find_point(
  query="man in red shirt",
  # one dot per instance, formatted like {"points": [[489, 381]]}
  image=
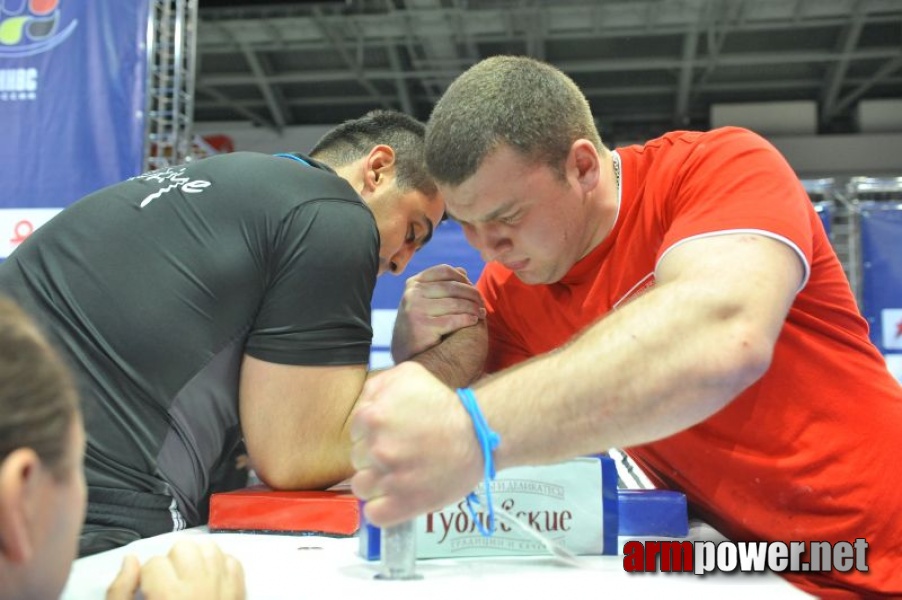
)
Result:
{"points": [[678, 299]]}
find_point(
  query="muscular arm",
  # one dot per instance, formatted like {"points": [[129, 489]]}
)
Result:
{"points": [[295, 421], [458, 360], [658, 365], [316, 308]]}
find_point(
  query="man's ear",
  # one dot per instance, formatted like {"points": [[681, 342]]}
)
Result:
{"points": [[19, 473], [380, 164], [584, 162]]}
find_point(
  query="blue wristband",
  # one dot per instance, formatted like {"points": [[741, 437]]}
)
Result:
{"points": [[488, 442]]}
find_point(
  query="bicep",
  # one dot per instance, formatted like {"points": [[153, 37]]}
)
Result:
{"points": [[756, 274], [294, 419]]}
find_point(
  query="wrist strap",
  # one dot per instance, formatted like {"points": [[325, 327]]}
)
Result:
{"points": [[488, 442]]}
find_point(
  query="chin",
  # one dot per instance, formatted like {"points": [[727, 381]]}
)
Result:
{"points": [[531, 278], [540, 276]]}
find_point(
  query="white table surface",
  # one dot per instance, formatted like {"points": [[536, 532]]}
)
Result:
{"points": [[299, 567]]}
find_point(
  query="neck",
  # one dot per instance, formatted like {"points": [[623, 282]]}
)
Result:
{"points": [[604, 203], [350, 172]]}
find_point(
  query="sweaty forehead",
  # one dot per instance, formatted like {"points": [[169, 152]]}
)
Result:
{"points": [[472, 199], [503, 177], [481, 201], [460, 203], [484, 211]]}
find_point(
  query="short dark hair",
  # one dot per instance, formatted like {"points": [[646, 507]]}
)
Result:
{"points": [[514, 100], [354, 139], [38, 401]]}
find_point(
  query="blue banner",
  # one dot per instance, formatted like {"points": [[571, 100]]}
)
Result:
{"points": [[448, 246], [881, 297], [825, 211], [72, 93]]}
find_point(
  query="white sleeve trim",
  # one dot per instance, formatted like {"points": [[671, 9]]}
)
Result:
{"points": [[760, 232], [629, 293]]}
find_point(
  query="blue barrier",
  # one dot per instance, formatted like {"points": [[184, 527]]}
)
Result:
{"points": [[881, 230]]}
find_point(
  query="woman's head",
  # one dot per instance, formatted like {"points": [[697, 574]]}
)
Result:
{"points": [[42, 489], [37, 399]]}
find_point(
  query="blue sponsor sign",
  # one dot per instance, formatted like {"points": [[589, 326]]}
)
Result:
{"points": [[881, 230], [72, 93], [822, 192], [824, 210]]}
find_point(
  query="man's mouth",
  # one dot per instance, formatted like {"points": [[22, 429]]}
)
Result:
{"points": [[517, 265]]}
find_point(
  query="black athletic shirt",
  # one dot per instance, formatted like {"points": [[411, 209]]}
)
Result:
{"points": [[154, 288]]}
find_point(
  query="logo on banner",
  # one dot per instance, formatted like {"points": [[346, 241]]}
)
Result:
{"points": [[891, 319], [16, 224], [21, 230], [29, 27]]}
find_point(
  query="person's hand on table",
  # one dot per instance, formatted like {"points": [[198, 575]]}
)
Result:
{"points": [[414, 446], [191, 571], [436, 302]]}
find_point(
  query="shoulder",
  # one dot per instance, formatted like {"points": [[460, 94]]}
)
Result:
{"points": [[345, 230], [262, 167], [692, 141], [273, 180], [340, 211], [718, 153]]}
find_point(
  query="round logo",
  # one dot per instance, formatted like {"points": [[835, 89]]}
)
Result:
{"points": [[29, 27]]}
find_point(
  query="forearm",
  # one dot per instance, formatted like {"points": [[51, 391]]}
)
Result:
{"points": [[329, 462], [459, 359], [295, 421], [642, 373], [309, 466], [663, 362]]}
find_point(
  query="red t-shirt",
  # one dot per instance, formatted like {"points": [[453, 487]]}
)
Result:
{"points": [[809, 452]]}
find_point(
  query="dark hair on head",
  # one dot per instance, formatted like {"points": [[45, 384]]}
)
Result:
{"points": [[514, 100], [38, 400], [353, 140]]}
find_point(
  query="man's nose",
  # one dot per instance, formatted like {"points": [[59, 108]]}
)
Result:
{"points": [[400, 260], [489, 239]]}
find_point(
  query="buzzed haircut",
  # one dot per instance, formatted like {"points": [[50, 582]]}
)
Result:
{"points": [[527, 104], [352, 140], [38, 401]]}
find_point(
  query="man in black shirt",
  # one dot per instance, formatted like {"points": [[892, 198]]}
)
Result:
{"points": [[223, 299]]}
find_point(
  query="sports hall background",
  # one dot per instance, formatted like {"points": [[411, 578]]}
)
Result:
{"points": [[96, 91]]}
